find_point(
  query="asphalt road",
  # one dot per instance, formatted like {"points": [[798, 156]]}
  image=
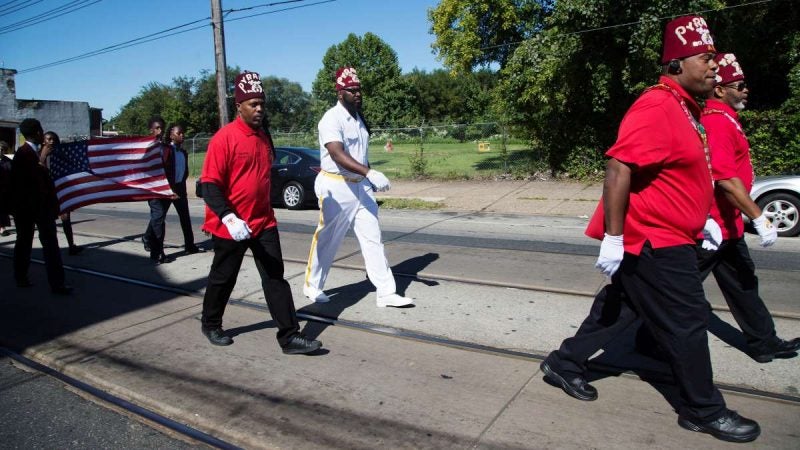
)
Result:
{"points": [[38, 412]]}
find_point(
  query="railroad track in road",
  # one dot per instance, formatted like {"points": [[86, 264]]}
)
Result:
{"points": [[523, 286], [459, 279], [432, 339], [103, 397]]}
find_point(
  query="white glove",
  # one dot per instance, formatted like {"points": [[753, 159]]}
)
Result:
{"points": [[237, 227], [378, 180], [611, 252], [712, 235], [764, 228]]}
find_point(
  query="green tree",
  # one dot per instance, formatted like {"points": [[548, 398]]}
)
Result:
{"points": [[568, 87], [153, 99], [204, 116], [446, 98], [472, 33], [288, 106], [378, 70], [394, 105], [581, 63]]}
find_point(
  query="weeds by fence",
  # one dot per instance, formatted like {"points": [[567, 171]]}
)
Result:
{"points": [[456, 151]]}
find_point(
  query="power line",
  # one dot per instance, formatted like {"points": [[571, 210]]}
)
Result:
{"points": [[16, 8], [63, 10], [7, 3], [628, 24], [161, 35], [281, 10], [263, 5], [140, 40], [41, 15]]}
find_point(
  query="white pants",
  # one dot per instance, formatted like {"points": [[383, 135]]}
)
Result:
{"points": [[343, 204]]}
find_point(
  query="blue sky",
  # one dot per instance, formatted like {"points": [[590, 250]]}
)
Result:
{"points": [[288, 44]]}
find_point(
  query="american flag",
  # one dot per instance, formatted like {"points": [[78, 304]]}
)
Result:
{"points": [[108, 170]]}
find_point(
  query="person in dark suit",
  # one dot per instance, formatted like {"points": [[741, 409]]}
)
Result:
{"points": [[5, 188], [35, 205], [153, 238], [51, 142], [176, 168]]}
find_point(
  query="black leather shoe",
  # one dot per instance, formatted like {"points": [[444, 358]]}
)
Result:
{"points": [[216, 336], [729, 427], [779, 349], [300, 344], [62, 290], [190, 250], [146, 244], [75, 250], [161, 259], [24, 283], [575, 385]]}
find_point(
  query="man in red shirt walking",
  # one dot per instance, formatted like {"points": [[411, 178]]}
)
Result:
{"points": [[658, 191], [235, 182], [733, 172]]}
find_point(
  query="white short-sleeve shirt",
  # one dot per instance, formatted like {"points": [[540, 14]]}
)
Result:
{"points": [[337, 125]]}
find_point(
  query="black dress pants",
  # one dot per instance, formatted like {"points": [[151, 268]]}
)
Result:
{"points": [[49, 240], [734, 271], [154, 235], [663, 288], [182, 208], [228, 256], [156, 229]]}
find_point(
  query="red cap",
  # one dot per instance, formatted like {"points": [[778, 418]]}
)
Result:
{"points": [[686, 36], [246, 86], [346, 77], [729, 68]]}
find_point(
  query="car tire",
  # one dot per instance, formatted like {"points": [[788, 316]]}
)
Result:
{"points": [[293, 195], [783, 210]]}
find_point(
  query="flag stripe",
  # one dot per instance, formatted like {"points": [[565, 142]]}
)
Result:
{"points": [[108, 170]]}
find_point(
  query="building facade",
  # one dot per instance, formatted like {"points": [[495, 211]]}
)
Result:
{"points": [[70, 120]]}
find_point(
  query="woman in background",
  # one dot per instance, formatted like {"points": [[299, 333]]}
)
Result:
{"points": [[51, 141], [5, 188]]}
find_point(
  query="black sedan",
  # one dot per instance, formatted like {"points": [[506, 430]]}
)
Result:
{"points": [[293, 174]]}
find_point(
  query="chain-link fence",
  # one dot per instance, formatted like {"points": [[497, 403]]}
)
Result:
{"points": [[453, 151]]}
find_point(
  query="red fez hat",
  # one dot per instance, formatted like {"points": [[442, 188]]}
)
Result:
{"points": [[247, 86], [346, 77], [729, 68], [686, 36]]}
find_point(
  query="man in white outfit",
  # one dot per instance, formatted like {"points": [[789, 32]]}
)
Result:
{"points": [[345, 188]]}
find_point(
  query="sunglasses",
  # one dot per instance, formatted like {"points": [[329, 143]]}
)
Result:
{"points": [[739, 86]]}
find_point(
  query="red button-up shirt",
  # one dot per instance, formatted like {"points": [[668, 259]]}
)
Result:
{"points": [[238, 161], [730, 157], [671, 190]]}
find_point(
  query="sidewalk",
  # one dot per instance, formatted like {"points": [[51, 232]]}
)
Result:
{"points": [[557, 198]]}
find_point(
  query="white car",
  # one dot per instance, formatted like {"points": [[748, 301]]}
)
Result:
{"points": [[779, 198]]}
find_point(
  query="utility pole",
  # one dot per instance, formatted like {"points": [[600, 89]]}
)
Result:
{"points": [[219, 57]]}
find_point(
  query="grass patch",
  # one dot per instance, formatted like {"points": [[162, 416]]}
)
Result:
{"points": [[444, 161], [408, 203]]}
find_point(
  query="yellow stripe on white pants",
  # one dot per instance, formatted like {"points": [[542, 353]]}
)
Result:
{"points": [[345, 204]]}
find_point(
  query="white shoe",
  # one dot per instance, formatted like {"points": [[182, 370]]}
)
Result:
{"points": [[315, 294], [393, 300]]}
